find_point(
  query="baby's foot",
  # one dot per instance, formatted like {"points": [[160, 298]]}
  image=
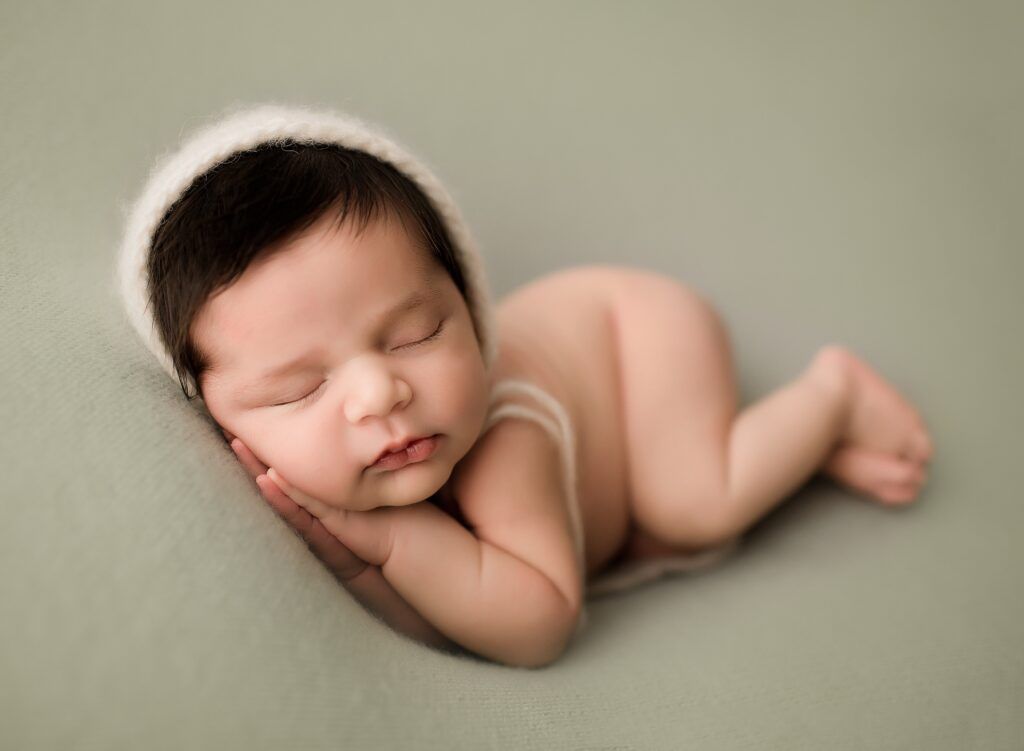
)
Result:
{"points": [[880, 418], [886, 446], [882, 476]]}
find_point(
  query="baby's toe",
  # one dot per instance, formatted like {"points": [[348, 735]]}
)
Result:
{"points": [[904, 484], [898, 494], [884, 476], [922, 447], [917, 448], [896, 470]]}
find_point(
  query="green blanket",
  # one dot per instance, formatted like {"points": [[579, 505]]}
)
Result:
{"points": [[823, 173]]}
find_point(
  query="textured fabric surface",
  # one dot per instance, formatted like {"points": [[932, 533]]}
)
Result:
{"points": [[848, 174]]}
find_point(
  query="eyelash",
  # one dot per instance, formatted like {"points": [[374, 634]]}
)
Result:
{"points": [[309, 397], [437, 333]]}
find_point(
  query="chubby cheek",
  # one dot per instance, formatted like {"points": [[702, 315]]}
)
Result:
{"points": [[304, 451], [465, 394], [310, 454]]}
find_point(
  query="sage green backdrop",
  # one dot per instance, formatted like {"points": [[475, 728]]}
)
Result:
{"points": [[824, 172]]}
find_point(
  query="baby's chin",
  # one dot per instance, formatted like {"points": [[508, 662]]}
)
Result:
{"points": [[377, 503], [393, 491], [413, 494]]}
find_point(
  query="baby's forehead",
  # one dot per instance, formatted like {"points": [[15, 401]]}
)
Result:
{"points": [[235, 315]]}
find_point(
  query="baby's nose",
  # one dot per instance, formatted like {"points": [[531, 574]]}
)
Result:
{"points": [[374, 391]]}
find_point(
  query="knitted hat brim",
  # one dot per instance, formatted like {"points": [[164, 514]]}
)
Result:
{"points": [[243, 128]]}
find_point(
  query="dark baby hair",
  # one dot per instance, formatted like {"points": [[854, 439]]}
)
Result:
{"points": [[249, 206]]}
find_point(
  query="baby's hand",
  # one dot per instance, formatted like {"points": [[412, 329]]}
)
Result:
{"points": [[365, 533], [328, 548]]}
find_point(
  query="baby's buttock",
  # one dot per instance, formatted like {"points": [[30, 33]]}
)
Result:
{"points": [[558, 331]]}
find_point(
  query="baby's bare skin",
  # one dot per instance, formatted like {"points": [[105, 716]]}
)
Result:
{"points": [[666, 461]]}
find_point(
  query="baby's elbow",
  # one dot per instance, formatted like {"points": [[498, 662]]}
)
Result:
{"points": [[548, 643], [543, 658]]}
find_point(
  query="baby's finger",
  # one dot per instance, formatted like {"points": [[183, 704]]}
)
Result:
{"points": [[333, 552], [285, 507], [324, 545], [313, 505], [282, 483], [248, 459]]}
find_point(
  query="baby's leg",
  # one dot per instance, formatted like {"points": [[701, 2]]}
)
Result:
{"points": [[699, 472]]}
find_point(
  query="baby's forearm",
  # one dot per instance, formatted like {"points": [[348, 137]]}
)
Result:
{"points": [[480, 596], [376, 594]]}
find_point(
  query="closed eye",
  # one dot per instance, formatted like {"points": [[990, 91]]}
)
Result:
{"points": [[303, 399], [437, 333], [312, 394]]}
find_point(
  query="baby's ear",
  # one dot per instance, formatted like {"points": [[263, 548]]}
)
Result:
{"points": [[227, 435]]}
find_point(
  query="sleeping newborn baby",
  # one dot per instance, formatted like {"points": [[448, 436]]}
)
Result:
{"points": [[472, 476]]}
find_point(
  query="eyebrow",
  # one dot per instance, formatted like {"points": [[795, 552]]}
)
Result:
{"points": [[406, 304]]}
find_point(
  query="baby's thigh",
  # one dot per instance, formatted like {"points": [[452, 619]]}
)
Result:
{"points": [[679, 401]]}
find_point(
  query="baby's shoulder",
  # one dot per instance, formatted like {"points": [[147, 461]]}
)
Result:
{"points": [[513, 469]]}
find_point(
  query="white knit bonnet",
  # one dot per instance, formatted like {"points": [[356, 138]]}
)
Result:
{"points": [[242, 129]]}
